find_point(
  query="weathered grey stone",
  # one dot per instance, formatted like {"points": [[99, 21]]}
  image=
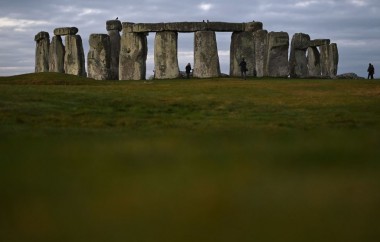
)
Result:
{"points": [[278, 49], [74, 56], [127, 27], [333, 59], [113, 25], [253, 26], [66, 31], [42, 52], [99, 57], [314, 62], [349, 76], [325, 60], [165, 55], [115, 49], [242, 46], [206, 59], [148, 27], [225, 27], [319, 42], [57, 55], [298, 61], [261, 52], [133, 53], [185, 26]]}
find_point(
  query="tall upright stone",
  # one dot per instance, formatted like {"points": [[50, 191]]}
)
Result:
{"points": [[261, 52], [99, 57], [298, 61], [74, 56], [114, 27], [206, 59], [166, 55], [57, 55], [325, 60], [133, 54], [313, 62], [42, 51], [333, 59], [278, 49], [242, 46]]}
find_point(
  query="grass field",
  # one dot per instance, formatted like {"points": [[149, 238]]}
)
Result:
{"points": [[189, 160]]}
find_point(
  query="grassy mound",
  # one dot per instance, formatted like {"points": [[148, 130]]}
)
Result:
{"points": [[47, 78]]}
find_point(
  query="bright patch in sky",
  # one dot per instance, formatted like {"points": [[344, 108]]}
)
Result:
{"points": [[360, 3], [305, 4], [11, 22], [205, 6]]}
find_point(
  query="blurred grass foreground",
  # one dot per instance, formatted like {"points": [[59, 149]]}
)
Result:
{"points": [[189, 160]]}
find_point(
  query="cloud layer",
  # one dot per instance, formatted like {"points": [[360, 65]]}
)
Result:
{"points": [[352, 24]]}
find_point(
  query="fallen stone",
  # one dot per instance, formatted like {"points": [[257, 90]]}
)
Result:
{"points": [[242, 47], [57, 55], [133, 54], [165, 55], [99, 57], [74, 56], [350, 75], [66, 31], [206, 59], [278, 49]]}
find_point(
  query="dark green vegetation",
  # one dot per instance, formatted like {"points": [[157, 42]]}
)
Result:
{"points": [[189, 160]]}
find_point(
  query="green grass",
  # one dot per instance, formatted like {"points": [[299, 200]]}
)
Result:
{"points": [[189, 160]]}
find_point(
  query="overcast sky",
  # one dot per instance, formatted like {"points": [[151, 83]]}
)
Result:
{"points": [[353, 24]]}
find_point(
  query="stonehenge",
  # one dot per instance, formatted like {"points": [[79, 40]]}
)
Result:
{"points": [[122, 56]]}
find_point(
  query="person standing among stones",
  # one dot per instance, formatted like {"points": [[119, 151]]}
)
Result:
{"points": [[371, 71], [243, 69], [188, 70]]}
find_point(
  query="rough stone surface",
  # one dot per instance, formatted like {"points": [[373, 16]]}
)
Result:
{"points": [[115, 53], [319, 42], [333, 59], [325, 59], [127, 27], [298, 61], [253, 26], [74, 56], [66, 31], [113, 25], [133, 54], [99, 57], [165, 55], [42, 52], [183, 27], [206, 59], [278, 49], [349, 76], [57, 55], [314, 62], [261, 52], [242, 46]]}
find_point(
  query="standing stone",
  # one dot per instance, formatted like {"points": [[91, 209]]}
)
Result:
{"points": [[99, 57], [42, 51], [133, 53], [242, 46], [325, 60], [333, 60], [74, 56], [313, 62], [57, 55], [114, 27], [166, 55], [261, 52], [206, 59], [278, 49], [298, 61]]}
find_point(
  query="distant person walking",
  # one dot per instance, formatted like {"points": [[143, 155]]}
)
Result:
{"points": [[371, 71], [243, 68], [188, 70]]}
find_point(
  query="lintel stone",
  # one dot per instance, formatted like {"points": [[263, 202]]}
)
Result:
{"points": [[113, 25], [66, 31], [319, 42], [41, 35], [253, 26]]}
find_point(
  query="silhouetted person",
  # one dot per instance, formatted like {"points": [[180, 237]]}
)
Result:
{"points": [[188, 70], [371, 71], [243, 69]]}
